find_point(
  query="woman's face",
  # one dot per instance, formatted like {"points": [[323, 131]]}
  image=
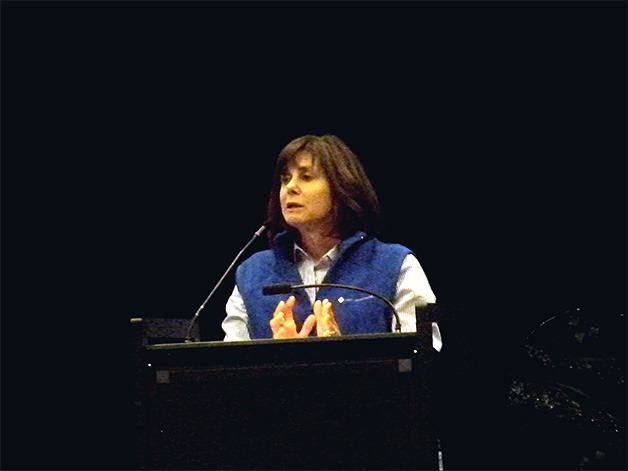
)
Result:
{"points": [[305, 195]]}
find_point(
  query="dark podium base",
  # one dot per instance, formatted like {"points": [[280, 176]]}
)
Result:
{"points": [[359, 402]]}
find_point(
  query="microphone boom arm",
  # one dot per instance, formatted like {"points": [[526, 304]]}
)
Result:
{"points": [[354, 288], [258, 233]]}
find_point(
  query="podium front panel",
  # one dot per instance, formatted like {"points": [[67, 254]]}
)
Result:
{"points": [[346, 402]]}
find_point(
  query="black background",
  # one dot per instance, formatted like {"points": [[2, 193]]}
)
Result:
{"points": [[139, 141]]}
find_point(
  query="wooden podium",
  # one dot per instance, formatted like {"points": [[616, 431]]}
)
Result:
{"points": [[360, 401]]}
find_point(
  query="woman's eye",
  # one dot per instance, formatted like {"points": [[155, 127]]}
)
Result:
{"points": [[307, 177], [284, 179]]}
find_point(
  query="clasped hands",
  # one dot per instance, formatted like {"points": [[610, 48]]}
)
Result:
{"points": [[283, 326]]}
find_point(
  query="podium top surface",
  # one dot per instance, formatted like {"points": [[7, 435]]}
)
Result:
{"points": [[348, 347]]}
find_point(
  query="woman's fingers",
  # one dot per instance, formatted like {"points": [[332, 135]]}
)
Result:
{"points": [[318, 309], [318, 315], [278, 318], [282, 323], [325, 322], [329, 320], [328, 310], [278, 309], [286, 330], [308, 325], [287, 308]]}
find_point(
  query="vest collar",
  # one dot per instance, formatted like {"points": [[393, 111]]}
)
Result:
{"points": [[283, 244]]}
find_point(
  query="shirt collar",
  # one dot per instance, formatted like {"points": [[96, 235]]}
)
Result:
{"points": [[299, 254]]}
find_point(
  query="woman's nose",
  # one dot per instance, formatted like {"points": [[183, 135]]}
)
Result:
{"points": [[291, 186]]}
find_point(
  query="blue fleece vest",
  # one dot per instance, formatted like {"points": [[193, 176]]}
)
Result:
{"points": [[362, 261]]}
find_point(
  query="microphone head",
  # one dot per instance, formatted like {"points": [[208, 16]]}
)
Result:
{"points": [[262, 229], [280, 288]]}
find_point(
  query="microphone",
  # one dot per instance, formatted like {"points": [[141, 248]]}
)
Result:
{"points": [[258, 233], [280, 288], [284, 288]]}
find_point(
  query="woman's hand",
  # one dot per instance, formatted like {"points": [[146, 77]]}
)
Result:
{"points": [[326, 325], [282, 324]]}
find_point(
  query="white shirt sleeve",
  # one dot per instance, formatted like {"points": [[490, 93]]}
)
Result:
{"points": [[414, 289], [236, 323]]}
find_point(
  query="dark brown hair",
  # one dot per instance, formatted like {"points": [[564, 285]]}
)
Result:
{"points": [[356, 206]]}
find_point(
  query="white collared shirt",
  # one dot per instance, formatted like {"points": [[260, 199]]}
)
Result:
{"points": [[413, 289]]}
